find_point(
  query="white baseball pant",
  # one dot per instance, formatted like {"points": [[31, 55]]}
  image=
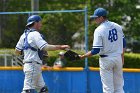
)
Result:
{"points": [[33, 76], [111, 74]]}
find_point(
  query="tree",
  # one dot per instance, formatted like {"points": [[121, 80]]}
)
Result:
{"points": [[123, 12], [12, 25], [61, 26]]}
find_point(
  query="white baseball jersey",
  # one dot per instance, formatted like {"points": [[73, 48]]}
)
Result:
{"points": [[35, 40], [108, 36]]}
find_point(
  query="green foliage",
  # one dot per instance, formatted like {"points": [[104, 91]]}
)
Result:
{"points": [[62, 5], [6, 51], [15, 5], [123, 12], [12, 26], [132, 60], [60, 27], [54, 54]]}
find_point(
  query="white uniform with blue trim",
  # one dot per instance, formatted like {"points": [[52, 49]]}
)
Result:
{"points": [[108, 36], [33, 75]]}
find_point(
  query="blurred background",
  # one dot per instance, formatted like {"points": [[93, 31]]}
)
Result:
{"points": [[57, 27], [67, 28]]}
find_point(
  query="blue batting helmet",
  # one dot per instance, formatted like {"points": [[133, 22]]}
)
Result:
{"points": [[32, 19]]}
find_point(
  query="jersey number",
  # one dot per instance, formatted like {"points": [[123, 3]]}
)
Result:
{"points": [[112, 35]]}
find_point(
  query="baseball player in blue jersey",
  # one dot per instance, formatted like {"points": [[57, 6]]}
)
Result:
{"points": [[32, 44], [109, 43]]}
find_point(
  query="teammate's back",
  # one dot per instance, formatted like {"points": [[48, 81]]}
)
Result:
{"points": [[112, 38]]}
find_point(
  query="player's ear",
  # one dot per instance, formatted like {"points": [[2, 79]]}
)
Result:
{"points": [[101, 18]]}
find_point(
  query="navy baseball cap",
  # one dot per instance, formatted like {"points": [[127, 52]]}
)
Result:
{"points": [[32, 19], [99, 12]]}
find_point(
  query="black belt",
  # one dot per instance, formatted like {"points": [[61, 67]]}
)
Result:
{"points": [[103, 55], [32, 62]]}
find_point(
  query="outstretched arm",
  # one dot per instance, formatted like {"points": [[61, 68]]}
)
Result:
{"points": [[49, 47], [94, 51]]}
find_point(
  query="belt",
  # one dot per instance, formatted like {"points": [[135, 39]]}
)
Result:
{"points": [[32, 62], [103, 55]]}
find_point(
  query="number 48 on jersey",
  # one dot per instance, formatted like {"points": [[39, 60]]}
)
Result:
{"points": [[112, 35]]}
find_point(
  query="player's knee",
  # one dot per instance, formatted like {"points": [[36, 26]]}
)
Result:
{"points": [[29, 91], [44, 90]]}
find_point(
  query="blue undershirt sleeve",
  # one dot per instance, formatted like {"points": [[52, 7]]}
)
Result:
{"points": [[124, 43], [95, 51]]}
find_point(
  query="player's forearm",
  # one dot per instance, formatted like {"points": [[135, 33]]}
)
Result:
{"points": [[49, 47], [88, 54], [94, 51], [123, 56]]}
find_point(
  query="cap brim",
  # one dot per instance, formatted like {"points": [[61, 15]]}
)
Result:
{"points": [[92, 17], [29, 23]]}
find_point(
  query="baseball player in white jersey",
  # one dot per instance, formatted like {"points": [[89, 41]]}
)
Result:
{"points": [[32, 44], [109, 43]]}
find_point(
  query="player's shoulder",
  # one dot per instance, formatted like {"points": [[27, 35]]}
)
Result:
{"points": [[116, 25], [103, 25], [98, 31], [100, 28], [22, 36], [34, 33]]}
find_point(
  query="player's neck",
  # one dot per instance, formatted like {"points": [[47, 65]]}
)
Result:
{"points": [[104, 20], [34, 28]]}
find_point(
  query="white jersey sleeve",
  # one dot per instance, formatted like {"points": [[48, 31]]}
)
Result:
{"points": [[39, 41], [19, 45], [97, 42]]}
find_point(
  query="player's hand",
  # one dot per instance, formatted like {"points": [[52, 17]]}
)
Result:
{"points": [[82, 56], [64, 47]]}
